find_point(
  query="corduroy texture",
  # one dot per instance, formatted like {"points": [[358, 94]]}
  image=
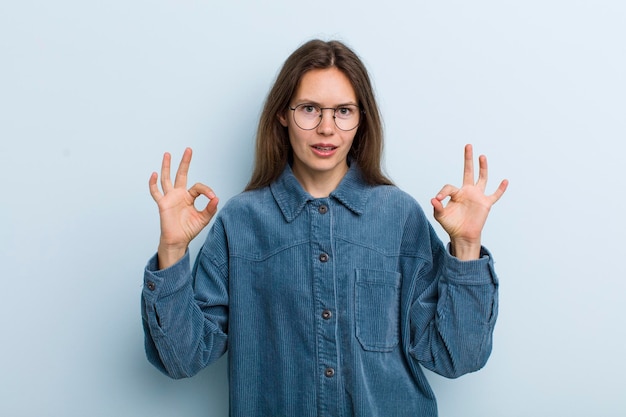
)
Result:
{"points": [[327, 307]]}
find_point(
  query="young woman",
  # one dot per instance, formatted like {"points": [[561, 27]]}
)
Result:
{"points": [[326, 283]]}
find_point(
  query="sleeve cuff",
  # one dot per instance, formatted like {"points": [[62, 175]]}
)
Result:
{"points": [[161, 283], [476, 272]]}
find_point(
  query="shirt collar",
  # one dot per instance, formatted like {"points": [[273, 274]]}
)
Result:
{"points": [[352, 192]]}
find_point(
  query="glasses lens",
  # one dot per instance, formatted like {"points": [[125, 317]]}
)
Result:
{"points": [[347, 117], [307, 116]]}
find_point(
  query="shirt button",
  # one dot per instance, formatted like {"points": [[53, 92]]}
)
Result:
{"points": [[323, 257], [327, 314], [323, 209], [329, 372], [151, 285]]}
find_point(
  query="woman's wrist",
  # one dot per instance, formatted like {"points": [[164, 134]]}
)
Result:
{"points": [[168, 256], [465, 250]]}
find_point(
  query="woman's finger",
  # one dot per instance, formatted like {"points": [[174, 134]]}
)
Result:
{"points": [[154, 188], [483, 172], [468, 166], [199, 189], [183, 169], [498, 193], [166, 182], [211, 208], [447, 191]]}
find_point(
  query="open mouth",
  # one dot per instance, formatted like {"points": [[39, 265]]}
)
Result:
{"points": [[325, 148]]}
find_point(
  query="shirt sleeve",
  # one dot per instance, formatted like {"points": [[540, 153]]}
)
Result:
{"points": [[453, 311], [185, 331]]}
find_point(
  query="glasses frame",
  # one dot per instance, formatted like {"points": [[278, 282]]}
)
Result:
{"points": [[334, 109]]}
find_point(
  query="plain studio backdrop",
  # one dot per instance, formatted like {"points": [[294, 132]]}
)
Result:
{"points": [[93, 93]]}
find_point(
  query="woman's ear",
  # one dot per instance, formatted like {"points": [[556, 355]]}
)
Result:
{"points": [[282, 118]]}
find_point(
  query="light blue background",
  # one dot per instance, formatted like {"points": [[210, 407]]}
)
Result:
{"points": [[92, 93]]}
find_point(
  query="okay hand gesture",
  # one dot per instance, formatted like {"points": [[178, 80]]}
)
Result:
{"points": [[465, 214], [180, 220]]}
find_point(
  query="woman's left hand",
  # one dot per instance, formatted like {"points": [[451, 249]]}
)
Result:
{"points": [[465, 214]]}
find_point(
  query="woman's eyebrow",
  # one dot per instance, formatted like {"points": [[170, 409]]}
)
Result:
{"points": [[307, 101]]}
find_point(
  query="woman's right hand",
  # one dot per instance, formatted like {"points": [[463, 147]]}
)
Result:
{"points": [[180, 220]]}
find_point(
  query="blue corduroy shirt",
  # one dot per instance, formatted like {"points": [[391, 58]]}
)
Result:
{"points": [[326, 306]]}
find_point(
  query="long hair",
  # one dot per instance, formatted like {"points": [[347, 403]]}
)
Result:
{"points": [[273, 148]]}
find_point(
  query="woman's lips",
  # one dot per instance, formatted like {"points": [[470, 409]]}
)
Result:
{"points": [[323, 149]]}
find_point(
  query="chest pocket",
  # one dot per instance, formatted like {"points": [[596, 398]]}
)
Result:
{"points": [[377, 309]]}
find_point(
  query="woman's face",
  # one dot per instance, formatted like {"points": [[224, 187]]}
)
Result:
{"points": [[320, 154]]}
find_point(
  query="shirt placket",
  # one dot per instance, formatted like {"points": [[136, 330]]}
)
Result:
{"points": [[325, 308]]}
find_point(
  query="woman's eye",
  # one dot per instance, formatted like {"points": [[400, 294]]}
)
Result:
{"points": [[308, 109], [344, 111]]}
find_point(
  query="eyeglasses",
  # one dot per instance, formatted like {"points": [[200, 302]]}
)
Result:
{"points": [[309, 116]]}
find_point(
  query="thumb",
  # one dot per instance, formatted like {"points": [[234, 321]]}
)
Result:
{"points": [[211, 208], [437, 207]]}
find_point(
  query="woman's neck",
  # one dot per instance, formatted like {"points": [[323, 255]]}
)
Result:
{"points": [[319, 183]]}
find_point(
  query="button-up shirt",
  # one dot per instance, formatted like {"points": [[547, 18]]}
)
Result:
{"points": [[326, 306]]}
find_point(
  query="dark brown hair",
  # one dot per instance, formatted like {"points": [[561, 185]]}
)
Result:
{"points": [[273, 149]]}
